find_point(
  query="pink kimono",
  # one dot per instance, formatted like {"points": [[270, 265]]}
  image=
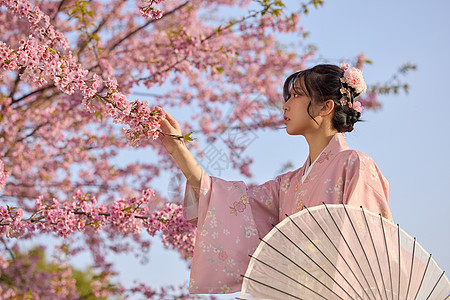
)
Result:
{"points": [[231, 217]]}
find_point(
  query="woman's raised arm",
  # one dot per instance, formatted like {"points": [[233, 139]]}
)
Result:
{"points": [[180, 152]]}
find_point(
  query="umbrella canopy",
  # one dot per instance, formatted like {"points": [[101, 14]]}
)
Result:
{"points": [[341, 252]]}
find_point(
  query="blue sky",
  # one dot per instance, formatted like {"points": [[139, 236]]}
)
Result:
{"points": [[408, 138]]}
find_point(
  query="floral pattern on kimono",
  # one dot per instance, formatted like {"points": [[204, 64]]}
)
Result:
{"points": [[231, 217]]}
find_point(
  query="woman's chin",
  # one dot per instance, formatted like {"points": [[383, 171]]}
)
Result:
{"points": [[292, 132]]}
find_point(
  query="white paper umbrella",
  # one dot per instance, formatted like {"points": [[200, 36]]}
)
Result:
{"points": [[341, 252]]}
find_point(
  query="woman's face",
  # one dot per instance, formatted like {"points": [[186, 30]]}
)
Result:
{"points": [[296, 117]]}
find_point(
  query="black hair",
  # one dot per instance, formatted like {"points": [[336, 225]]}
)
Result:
{"points": [[321, 83]]}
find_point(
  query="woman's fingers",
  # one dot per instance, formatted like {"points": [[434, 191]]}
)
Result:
{"points": [[170, 125], [164, 124], [172, 121]]}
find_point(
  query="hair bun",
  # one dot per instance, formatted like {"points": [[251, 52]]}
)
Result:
{"points": [[352, 117], [344, 118]]}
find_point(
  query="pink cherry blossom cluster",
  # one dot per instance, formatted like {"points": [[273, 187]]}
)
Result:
{"points": [[3, 175], [148, 9], [357, 106], [27, 281], [370, 101], [27, 277], [43, 63], [353, 77], [38, 22], [127, 216], [176, 231], [361, 60]]}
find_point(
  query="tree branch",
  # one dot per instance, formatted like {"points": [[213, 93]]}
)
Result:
{"points": [[99, 27], [216, 32], [16, 82], [146, 24], [13, 101], [59, 9]]}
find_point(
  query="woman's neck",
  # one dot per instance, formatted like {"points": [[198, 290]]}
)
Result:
{"points": [[318, 142]]}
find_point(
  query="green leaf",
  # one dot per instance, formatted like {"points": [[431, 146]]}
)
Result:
{"points": [[99, 115], [95, 37], [187, 137]]}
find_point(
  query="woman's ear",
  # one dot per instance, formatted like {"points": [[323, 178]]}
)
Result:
{"points": [[327, 108]]}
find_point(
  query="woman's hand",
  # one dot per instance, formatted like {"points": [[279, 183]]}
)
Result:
{"points": [[169, 126], [175, 146]]}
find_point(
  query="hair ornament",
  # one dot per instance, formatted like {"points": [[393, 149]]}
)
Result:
{"points": [[352, 80], [357, 106]]}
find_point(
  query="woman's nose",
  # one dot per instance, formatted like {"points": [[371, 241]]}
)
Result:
{"points": [[285, 106]]}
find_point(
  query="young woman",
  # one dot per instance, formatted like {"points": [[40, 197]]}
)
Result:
{"points": [[231, 217]]}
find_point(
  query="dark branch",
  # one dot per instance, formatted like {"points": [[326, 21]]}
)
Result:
{"points": [[99, 27], [59, 9], [32, 93], [146, 24], [16, 83]]}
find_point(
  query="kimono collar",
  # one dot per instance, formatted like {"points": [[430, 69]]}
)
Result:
{"points": [[336, 145]]}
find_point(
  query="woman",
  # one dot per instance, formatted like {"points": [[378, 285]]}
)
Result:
{"points": [[231, 217]]}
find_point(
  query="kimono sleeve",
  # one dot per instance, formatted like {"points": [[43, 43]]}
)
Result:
{"points": [[230, 218], [365, 185]]}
